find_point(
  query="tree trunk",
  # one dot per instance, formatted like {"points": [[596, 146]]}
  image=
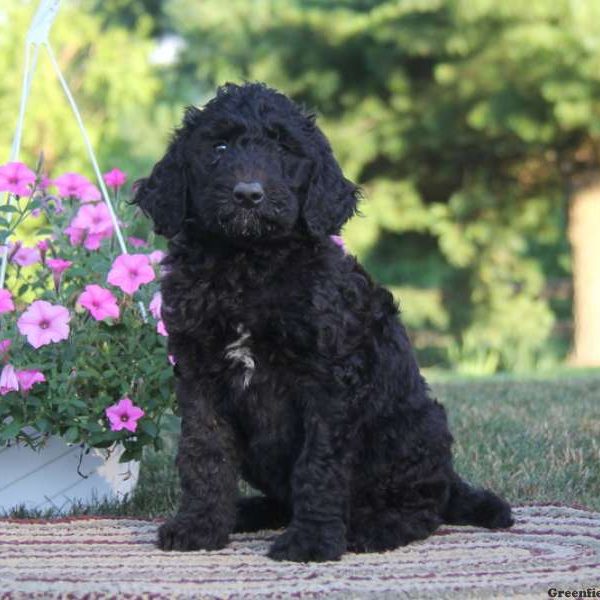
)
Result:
{"points": [[584, 235]]}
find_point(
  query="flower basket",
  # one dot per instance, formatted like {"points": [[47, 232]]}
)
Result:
{"points": [[82, 345], [58, 476]]}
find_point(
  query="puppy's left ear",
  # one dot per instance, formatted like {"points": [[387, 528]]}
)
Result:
{"points": [[331, 199]]}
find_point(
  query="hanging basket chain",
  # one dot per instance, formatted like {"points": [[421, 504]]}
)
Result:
{"points": [[28, 71]]}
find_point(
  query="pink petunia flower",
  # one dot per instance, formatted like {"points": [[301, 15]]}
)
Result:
{"points": [[43, 323], [99, 301], [115, 178], [94, 218], [90, 241], [124, 415], [72, 184], [28, 378], [93, 241], [58, 265], [130, 271], [15, 177], [137, 242], [4, 346], [89, 193], [155, 305], [8, 380], [161, 329], [43, 246], [24, 256], [338, 241], [156, 256], [90, 226], [76, 235], [171, 358], [6, 301]]}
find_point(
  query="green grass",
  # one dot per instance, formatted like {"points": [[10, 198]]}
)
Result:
{"points": [[530, 440]]}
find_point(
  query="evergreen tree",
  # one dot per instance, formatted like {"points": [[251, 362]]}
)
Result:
{"points": [[464, 121]]}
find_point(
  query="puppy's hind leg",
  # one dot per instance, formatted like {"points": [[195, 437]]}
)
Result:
{"points": [[260, 512], [378, 531]]}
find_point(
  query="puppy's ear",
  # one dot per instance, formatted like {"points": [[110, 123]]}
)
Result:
{"points": [[162, 195], [331, 199]]}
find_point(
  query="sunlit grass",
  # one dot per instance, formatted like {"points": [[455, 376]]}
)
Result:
{"points": [[532, 441]]}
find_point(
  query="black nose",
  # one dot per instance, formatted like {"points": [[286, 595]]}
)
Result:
{"points": [[248, 194]]}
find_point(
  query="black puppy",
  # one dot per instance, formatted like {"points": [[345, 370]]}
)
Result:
{"points": [[293, 370]]}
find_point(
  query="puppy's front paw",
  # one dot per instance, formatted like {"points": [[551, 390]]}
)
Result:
{"points": [[305, 544], [184, 534]]}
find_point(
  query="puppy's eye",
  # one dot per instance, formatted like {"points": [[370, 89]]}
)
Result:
{"points": [[220, 147]]}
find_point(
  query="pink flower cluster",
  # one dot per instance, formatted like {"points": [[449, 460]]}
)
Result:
{"points": [[18, 179], [42, 322], [90, 226]]}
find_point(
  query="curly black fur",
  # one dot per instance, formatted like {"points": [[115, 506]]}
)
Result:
{"points": [[293, 369]]}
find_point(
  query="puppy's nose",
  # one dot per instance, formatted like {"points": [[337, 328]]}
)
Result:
{"points": [[248, 194]]}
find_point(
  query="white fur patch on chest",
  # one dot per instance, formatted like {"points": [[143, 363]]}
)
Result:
{"points": [[239, 352]]}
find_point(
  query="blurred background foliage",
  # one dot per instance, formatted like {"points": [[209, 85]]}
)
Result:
{"points": [[470, 125]]}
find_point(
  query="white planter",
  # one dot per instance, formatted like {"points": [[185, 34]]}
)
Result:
{"points": [[49, 477]]}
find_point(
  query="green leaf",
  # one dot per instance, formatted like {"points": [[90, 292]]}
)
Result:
{"points": [[8, 208], [78, 403], [71, 435], [11, 430], [43, 425], [104, 439], [149, 427], [131, 454]]}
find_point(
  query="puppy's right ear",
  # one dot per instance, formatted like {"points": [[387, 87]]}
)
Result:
{"points": [[163, 195]]}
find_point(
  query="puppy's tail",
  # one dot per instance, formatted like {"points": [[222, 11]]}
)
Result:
{"points": [[475, 506]]}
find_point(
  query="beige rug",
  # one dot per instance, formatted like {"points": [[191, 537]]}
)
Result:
{"points": [[549, 547]]}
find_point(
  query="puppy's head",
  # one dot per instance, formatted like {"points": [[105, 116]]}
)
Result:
{"points": [[250, 164]]}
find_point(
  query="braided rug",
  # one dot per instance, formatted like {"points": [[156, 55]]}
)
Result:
{"points": [[88, 558]]}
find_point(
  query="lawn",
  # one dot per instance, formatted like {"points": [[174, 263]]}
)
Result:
{"points": [[535, 440]]}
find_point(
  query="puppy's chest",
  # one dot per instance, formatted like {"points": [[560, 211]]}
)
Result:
{"points": [[240, 357], [242, 331]]}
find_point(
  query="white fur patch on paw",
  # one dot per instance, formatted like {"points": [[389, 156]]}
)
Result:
{"points": [[239, 352]]}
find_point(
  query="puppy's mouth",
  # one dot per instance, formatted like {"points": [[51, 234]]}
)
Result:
{"points": [[245, 222]]}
